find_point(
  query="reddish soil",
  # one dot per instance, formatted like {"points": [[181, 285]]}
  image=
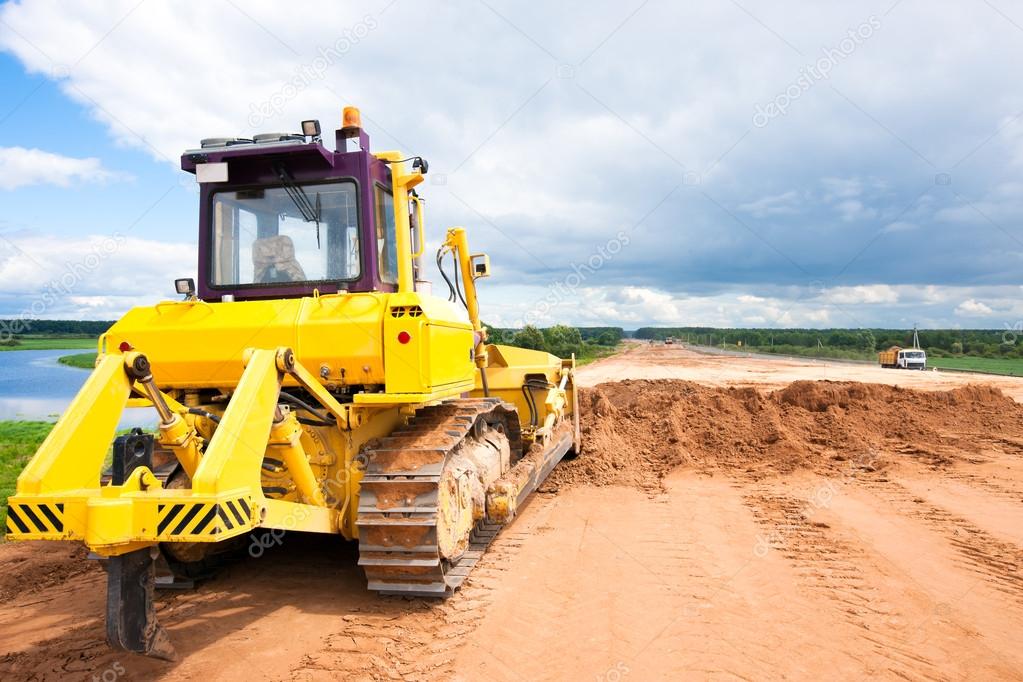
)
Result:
{"points": [[637, 432]]}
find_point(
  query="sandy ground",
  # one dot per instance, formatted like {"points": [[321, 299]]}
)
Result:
{"points": [[643, 361], [913, 571]]}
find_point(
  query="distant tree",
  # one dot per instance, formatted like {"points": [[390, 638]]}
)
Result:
{"points": [[495, 335], [957, 347], [529, 337], [562, 340]]}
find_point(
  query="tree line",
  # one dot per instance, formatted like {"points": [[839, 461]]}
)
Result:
{"points": [[56, 327], [560, 340], [938, 342]]}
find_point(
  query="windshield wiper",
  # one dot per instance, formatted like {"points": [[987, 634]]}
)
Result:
{"points": [[310, 213]]}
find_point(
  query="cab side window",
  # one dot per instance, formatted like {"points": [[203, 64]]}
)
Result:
{"points": [[386, 245]]}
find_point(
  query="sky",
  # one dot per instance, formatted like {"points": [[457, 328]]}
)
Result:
{"points": [[735, 163]]}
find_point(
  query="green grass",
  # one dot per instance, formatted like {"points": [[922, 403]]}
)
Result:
{"points": [[824, 353], [82, 360], [1007, 366], [52, 343], [18, 442], [592, 352]]}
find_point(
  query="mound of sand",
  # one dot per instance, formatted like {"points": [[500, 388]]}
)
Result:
{"points": [[635, 432]]}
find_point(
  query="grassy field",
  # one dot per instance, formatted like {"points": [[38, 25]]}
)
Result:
{"points": [[52, 343], [594, 352], [82, 360], [824, 353], [1008, 366], [18, 442]]}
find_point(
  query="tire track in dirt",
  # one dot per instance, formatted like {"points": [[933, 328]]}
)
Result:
{"points": [[614, 580], [960, 453], [421, 640], [999, 563], [833, 570]]}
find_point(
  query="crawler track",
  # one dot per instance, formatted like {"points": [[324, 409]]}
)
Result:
{"points": [[398, 504]]}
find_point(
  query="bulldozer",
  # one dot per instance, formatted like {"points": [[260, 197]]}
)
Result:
{"points": [[307, 380]]}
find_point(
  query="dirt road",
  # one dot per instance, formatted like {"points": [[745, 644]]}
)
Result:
{"points": [[643, 361], [733, 526]]}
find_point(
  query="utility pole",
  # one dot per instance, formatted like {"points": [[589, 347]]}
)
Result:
{"points": [[916, 337]]}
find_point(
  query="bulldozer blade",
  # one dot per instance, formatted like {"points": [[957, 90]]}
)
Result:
{"points": [[131, 615]]}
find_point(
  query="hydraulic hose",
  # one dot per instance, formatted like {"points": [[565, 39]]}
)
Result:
{"points": [[325, 418], [203, 413]]}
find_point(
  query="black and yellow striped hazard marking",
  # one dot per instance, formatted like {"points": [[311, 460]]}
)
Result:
{"points": [[35, 518], [201, 518]]}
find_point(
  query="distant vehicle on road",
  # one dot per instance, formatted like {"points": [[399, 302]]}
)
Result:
{"points": [[903, 358]]}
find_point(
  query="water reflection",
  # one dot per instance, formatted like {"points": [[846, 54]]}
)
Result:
{"points": [[33, 385]]}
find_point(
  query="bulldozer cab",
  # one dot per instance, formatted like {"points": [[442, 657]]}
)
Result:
{"points": [[282, 216]]}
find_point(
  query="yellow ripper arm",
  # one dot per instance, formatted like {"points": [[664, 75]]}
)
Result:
{"points": [[59, 497]]}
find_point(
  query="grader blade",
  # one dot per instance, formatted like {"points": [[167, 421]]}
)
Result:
{"points": [[131, 615]]}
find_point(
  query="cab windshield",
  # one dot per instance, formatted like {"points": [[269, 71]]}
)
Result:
{"points": [[294, 234]]}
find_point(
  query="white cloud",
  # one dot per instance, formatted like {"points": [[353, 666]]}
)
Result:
{"points": [[99, 276], [853, 209], [786, 203], [871, 293], [21, 167], [895, 306], [973, 308], [900, 226], [841, 188], [820, 316], [543, 165]]}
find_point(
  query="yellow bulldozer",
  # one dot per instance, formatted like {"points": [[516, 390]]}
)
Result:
{"points": [[311, 382]]}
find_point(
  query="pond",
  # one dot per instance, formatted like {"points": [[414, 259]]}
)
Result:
{"points": [[34, 386]]}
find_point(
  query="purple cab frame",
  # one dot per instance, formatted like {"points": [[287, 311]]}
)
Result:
{"points": [[309, 162]]}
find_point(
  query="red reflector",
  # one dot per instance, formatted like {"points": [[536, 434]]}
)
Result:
{"points": [[124, 347], [404, 337]]}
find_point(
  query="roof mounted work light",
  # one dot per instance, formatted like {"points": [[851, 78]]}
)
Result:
{"points": [[311, 129]]}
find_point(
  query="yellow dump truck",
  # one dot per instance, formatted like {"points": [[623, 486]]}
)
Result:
{"points": [[903, 358]]}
